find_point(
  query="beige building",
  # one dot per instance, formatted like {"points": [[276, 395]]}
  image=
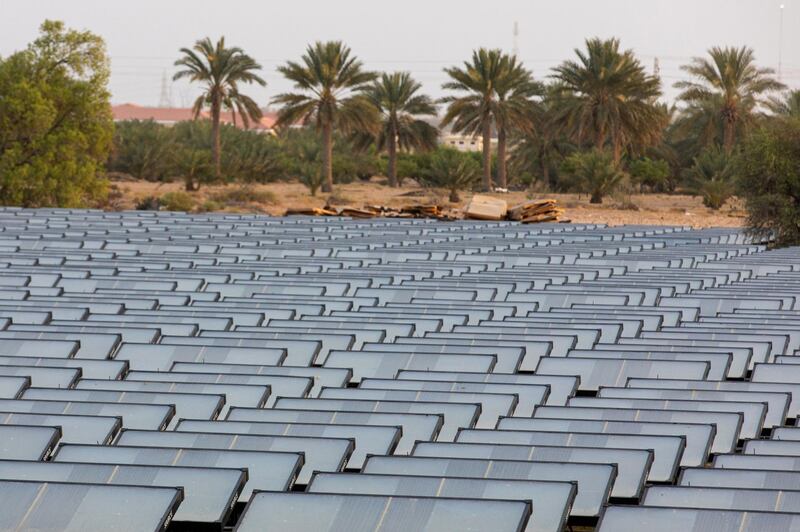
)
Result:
{"points": [[463, 142]]}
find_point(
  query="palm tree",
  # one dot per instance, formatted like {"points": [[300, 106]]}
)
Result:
{"points": [[607, 98], [245, 107], [473, 111], [515, 110], [695, 127], [787, 106], [395, 97], [329, 82], [732, 80], [543, 144], [220, 70]]}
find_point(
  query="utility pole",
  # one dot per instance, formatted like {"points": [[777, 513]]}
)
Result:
{"points": [[515, 46], [780, 45], [165, 100]]}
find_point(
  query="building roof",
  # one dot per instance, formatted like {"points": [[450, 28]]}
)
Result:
{"points": [[170, 115]]}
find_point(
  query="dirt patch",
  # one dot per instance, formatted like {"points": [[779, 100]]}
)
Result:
{"points": [[653, 209]]}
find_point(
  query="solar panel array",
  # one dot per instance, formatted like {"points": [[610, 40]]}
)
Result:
{"points": [[207, 372]]}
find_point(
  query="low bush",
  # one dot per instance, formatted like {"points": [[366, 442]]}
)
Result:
{"points": [[593, 172], [712, 176], [452, 170], [177, 201]]}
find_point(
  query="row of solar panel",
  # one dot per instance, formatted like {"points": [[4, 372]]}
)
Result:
{"points": [[435, 348]]}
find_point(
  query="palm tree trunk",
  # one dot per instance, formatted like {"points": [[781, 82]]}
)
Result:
{"points": [[327, 157], [215, 136], [545, 166], [617, 151], [502, 180], [600, 139], [729, 135], [392, 149], [487, 157]]}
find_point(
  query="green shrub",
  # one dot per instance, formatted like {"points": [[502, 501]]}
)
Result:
{"points": [[177, 201], [209, 206], [593, 172], [142, 149], [452, 170], [303, 158], [193, 165], [712, 176], [147, 150], [652, 174], [407, 166], [250, 157], [770, 181]]}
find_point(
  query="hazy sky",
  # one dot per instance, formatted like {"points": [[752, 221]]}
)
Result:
{"points": [[143, 36]]}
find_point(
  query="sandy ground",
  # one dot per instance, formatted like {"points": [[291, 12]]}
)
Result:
{"points": [[651, 209]]}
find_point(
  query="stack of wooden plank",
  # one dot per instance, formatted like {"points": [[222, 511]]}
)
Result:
{"points": [[371, 211], [536, 211], [353, 212], [482, 207], [422, 211], [311, 211]]}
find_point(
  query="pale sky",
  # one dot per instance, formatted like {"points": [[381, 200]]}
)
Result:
{"points": [[422, 37]]}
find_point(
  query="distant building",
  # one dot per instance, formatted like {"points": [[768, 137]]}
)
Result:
{"points": [[463, 142], [459, 141], [169, 116]]}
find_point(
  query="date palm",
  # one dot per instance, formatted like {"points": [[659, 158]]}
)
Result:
{"points": [[730, 78], [329, 81], [786, 106], [396, 98], [471, 112], [541, 147], [221, 70], [515, 110], [607, 99]]}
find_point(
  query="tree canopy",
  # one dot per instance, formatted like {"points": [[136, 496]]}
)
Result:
{"points": [[400, 105], [221, 70], [56, 126], [329, 83], [606, 98], [770, 180], [726, 89], [493, 93]]}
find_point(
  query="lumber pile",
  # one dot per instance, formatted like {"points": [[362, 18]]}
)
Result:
{"points": [[310, 211], [537, 211], [372, 211], [353, 212], [482, 207], [422, 211]]}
